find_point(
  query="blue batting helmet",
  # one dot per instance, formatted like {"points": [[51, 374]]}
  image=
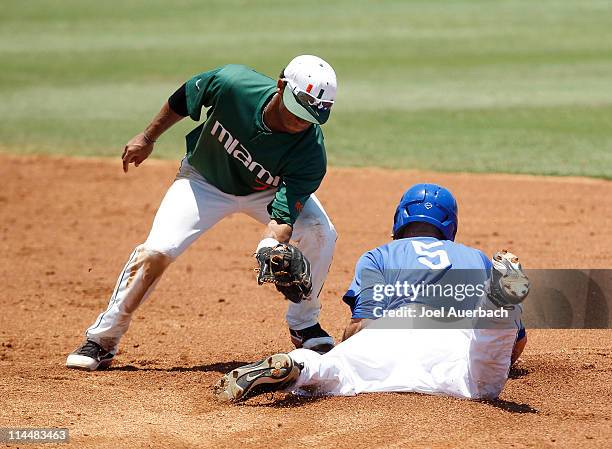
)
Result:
{"points": [[428, 203]]}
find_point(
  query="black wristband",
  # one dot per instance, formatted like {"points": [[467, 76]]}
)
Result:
{"points": [[178, 101]]}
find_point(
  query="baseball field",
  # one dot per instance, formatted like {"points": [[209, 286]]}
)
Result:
{"points": [[506, 103]]}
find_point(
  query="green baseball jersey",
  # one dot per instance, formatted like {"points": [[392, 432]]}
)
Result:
{"points": [[235, 151]]}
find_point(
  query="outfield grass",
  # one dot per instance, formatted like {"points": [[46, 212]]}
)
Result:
{"points": [[512, 86]]}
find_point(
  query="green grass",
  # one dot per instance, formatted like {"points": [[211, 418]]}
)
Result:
{"points": [[506, 86]]}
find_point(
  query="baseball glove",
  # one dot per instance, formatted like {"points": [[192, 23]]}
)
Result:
{"points": [[509, 284], [286, 267]]}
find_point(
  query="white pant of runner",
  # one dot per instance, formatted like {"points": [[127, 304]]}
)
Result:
{"points": [[190, 207], [466, 363]]}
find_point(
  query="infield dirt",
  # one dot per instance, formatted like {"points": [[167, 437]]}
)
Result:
{"points": [[68, 225]]}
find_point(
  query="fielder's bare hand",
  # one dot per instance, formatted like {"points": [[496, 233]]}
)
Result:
{"points": [[137, 150]]}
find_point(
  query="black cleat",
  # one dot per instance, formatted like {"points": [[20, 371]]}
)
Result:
{"points": [[313, 338], [270, 374], [90, 356]]}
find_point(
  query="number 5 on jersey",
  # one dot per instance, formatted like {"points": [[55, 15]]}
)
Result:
{"points": [[436, 260]]}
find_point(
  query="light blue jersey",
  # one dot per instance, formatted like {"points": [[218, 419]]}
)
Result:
{"points": [[418, 262]]}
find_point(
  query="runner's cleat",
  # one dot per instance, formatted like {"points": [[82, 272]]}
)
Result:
{"points": [[509, 284], [270, 374]]}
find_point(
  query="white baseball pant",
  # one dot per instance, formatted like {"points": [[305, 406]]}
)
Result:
{"points": [[190, 207], [466, 363]]}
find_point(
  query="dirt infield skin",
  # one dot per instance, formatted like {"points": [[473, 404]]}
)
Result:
{"points": [[67, 226]]}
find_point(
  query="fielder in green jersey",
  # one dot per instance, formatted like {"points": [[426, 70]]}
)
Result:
{"points": [[259, 151], [237, 153]]}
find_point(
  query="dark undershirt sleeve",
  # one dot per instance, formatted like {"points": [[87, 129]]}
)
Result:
{"points": [[178, 101]]}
